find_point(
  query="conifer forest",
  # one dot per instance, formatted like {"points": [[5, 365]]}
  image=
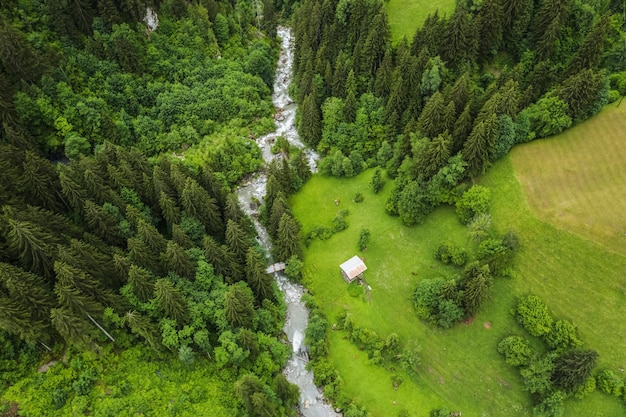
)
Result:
{"points": [[132, 281]]}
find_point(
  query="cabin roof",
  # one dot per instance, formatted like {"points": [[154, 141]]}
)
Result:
{"points": [[353, 267]]}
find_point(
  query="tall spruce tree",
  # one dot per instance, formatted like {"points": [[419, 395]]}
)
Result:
{"points": [[171, 301]]}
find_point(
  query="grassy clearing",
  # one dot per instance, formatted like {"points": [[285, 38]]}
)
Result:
{"points": [[460, 366], [405, 16], [582, 192]]}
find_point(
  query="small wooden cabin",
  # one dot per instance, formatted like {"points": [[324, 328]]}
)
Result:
{"points": [[352, 269]]}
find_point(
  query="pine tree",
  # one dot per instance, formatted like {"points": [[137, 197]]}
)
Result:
{"points": [[84, 256], [76, 278], [232, 211], [73, 329], [169, 208], [171, 301], [382, 85], [572, 368], [141, 282], [33, 246], [197, 202], [101, 222], [477, 286], [258, 279], [349, 105], [490, 23], [288, 242], [175, 259], [142, 326], [582, 92], [310, 127], [435, 156], [237, 240], [142, 256], [431, 120], [73, 189], [40, 182], [459, 39], [377, 42], [181, 238], [221, 259], [589, 52], [479, 146], [151, 237], [239, 305], [280, 207]]}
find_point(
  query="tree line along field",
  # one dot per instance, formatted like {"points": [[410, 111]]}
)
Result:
{"points": [[460, 367]]}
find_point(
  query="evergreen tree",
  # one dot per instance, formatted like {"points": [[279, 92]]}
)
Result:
{"points": [[198, 203], [222, 260], [377, 42], [151, 238], [477, 286], [71, 328], [169, 208], [572, 368], [84, 256], [431, 120], [490, 24], [33, 246], [181, 238], [479, 146], [175, 259], [459, 39], [237, 240], [142, 326], [16, 319], [435, 156], [584, 93], [142, 256], [589, 53], [258, 279], [73, 189], [40, 182], [349, 106], [239, 305], [103, 223], [288, 242], [171, 301], [310, 127], [142, 282], [94, 293], [382, 85]]}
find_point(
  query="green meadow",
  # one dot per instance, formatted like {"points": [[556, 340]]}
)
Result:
{"points": [[460, 367], [405, 16]]}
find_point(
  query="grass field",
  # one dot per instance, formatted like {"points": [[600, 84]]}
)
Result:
{"points": [[405, 16], [460, 367], [582, 192]]}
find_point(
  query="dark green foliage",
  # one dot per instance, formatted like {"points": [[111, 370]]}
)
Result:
{"points": [[239, 305], [170, 300], [364, 238], [477, 285], [563, 336], [288, 238], [175, 259], [377, 183], [258, 279], [448, 252], [572, 368]]}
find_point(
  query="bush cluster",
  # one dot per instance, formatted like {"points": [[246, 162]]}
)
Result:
{"points": [[449, 253]]}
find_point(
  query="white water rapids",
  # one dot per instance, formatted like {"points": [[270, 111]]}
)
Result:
{"points": [[312, 402]]}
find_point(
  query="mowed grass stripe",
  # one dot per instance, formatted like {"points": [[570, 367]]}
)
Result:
{"points": [[577, 180]]}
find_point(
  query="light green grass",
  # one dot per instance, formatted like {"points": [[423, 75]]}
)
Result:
{"points": [[580, 191], [405, 16], [461, 368]]}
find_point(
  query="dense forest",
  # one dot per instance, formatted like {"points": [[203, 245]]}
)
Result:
{"points": [[126, 126], [124, 130], [441, 107]]}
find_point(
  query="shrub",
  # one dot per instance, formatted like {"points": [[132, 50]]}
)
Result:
{"points": [[586, 388], [516, 350], [610, 383], [339, 222], [496, 254], [473, 202], [377, 181], [364, 239], [294, 268], [449, 253], [534, 316], [563, 336], [358, 198]]}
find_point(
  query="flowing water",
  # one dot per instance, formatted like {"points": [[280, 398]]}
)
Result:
{"points": [[312, 402]]}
